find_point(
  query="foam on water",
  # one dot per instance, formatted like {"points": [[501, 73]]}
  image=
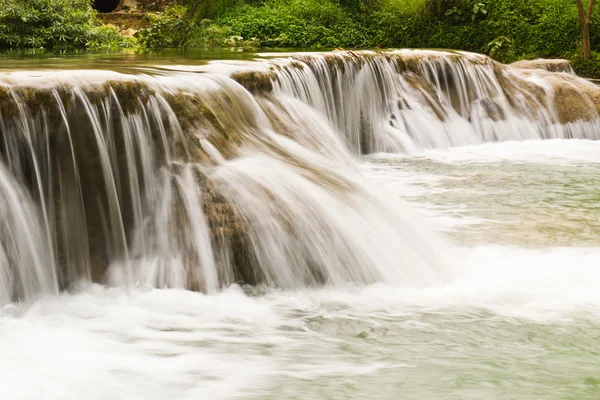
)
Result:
{"points": [[171, 343], [556, 151], [516, 322]]}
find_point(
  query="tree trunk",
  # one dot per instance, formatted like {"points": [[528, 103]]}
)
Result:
{"points": [[585, 35], [584, 20]]}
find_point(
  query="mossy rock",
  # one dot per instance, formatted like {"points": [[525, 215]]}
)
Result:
{"points": [[256, 82], [132, 94], [551, 65]]}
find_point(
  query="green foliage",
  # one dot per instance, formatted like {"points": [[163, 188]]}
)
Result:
{"points": [[108, 38], [45, 23], [53, 24], [168, 30], [589, 68], [295, 24], [175, 29], [210, 9], [461, 15], [501, 48], [505, 29]]}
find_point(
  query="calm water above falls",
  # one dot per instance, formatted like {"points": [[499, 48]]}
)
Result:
{"points": [[506, 308]]}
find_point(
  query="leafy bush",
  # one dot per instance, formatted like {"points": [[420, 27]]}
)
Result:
{"points": [[505, 29], [108, 38], [210, 9], [502, 49], [589, 68], [168, 30], [295, 24], [53, 24], [175, 29], [45, 23]]}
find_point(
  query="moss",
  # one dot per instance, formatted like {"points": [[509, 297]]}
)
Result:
{"points": [[399, 62], [521, 94], [132, 94], [296, 64], [198, 121], [8, 106], [191, 110], [255, 82], [336, 62], [409, 63], [36, 99], [573, 99]]}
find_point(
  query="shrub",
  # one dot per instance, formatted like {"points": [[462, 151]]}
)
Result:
{"points": [[168, 30], [108, 38], [175, 29], [295, 24], [53, 24], [589, 68], [505, 29], [45, 23], [211, 9]]}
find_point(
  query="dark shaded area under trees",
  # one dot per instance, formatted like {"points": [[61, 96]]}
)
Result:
{"points": [[107, 6]]}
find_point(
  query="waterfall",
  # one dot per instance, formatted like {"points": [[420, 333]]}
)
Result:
{"points": [[405, 100], [26, 262], [207, 176]]}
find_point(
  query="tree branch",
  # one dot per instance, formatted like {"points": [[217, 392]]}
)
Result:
{"points": [[590, 9], [581, 12]]}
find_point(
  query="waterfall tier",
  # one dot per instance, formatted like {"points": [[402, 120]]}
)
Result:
{"points": [[229, 173]]}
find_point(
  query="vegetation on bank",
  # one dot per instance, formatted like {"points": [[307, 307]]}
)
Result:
{"points": [[56, 24], [507, 30]]}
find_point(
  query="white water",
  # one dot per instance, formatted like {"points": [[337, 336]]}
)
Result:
{"points": [[519, 322], [361, 299], [415, 99], [25, 268], [252, 190]]}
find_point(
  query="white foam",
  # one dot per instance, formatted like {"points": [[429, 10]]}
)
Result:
{"points": [[555, 151]]}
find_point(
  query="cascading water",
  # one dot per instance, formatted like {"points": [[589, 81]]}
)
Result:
{"points": [[199, 180], [413, 99], [270, 172], [26, 262]]}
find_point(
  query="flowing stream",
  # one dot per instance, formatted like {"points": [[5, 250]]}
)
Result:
{"points": [[407, 224]]}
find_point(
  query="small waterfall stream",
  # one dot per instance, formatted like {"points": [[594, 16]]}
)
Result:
{"points": [[199, 179]]}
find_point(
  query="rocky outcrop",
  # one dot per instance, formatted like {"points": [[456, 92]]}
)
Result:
{"points": [[551, 65]]}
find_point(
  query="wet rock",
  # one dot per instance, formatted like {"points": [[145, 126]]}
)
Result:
{"points": [[256, 82], [551, 65]]}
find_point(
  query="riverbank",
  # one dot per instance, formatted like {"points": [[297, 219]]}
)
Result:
{"points": [[507, 31]]}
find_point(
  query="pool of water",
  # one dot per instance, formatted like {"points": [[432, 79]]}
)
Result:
{"points": [[518, 319]]}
